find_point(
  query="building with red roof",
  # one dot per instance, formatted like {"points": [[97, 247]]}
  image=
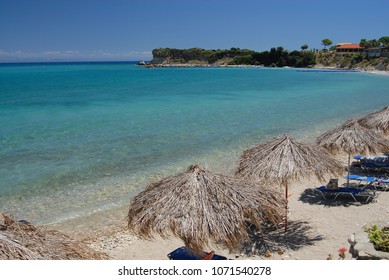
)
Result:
{"points": [[348, 47]]}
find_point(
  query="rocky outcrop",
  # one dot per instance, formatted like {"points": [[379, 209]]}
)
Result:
{"points": [[362, 249], [354, 61], [178, 56], [276, 57], [197, 56]]}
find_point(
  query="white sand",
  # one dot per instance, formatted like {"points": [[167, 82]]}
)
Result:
{"points": [[317, 228]]}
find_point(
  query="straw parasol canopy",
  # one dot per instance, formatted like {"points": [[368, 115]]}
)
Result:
{"points": [[203, 208], [351, 138], [282, 159], [24, 241], [378, 120]]}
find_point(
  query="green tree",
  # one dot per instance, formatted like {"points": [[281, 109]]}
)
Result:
{"points": [[326, 42], [304, 47], [372, 43], [384, 41], [362, 43]]}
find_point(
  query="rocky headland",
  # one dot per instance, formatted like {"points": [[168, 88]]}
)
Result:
{"points": [[276, 57]]}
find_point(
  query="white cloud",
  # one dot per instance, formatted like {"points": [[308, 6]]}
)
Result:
{"points": [[51, 52], [71, 52]]}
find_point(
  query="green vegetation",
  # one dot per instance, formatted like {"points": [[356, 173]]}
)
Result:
{"points": [[278, 57], [326, 42], [381, 42], [304, 47], [379, 237]]}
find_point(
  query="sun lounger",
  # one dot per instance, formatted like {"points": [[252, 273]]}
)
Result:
{"points": [[362, 178], [365, 191], [183, 253], [360, 181], [378, 164], [355, 193], [374, 182]]}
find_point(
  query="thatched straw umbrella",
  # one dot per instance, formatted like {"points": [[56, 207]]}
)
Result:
{"points": [[350, 138], [202, 209], [24, 241], [378, 120], [282, 159]]}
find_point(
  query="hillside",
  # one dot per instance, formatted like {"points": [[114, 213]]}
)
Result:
{"points": [[276, 57]]}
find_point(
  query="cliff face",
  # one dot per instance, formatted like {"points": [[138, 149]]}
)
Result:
{"points": [[351, 61]]}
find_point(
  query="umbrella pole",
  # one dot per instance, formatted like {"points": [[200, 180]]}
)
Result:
{"points": [[348, 170], [286, 206]]}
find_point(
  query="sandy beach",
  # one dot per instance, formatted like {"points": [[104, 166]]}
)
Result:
{"points": [[317, 228]]}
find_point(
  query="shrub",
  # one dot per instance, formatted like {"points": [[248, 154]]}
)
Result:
{"points": [[379, 237]]}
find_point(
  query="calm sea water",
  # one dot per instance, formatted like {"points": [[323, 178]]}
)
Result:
{"points": [[79, 138]]}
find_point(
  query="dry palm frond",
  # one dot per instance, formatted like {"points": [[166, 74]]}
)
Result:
{"points": [[21, 240], [378, 120], [351, 138], [282, 159], [203, 209]]}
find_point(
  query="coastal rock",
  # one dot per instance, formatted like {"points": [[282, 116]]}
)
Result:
{"points": [[362, 249], [142, 63]]}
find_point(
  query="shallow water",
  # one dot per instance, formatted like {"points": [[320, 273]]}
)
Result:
{"points": [[79, 138]]}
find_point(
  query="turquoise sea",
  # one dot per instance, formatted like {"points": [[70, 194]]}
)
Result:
{"points": [[80, 138]]}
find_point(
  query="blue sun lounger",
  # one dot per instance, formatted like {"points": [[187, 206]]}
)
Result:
{"points": [[377, 164], [359, 190], [361, 180], [183, 253], [374, 183], [352, 192]]}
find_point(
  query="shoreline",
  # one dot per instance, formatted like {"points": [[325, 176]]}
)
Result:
{"points": [[315, 67], [81, 220], [92, 223]]}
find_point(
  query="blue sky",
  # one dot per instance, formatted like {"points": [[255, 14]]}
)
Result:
{"points": [[76, 30]]}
